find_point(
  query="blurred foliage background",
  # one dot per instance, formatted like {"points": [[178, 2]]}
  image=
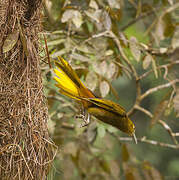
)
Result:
{"points": [[126, 51]]}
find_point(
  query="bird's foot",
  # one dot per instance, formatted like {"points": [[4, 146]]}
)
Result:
{"points": [[84, 116]]}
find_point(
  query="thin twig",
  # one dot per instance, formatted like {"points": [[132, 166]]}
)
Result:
{"points": [[169, 130], [133, 21], [152, 90], [148, 141], [122, 66], [145, 111], [96, 36], [164, 124], [171, 8], [68, 126], [176, 134], [159, 67], [144, 140]]}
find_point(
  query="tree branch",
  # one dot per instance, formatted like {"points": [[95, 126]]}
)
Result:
{"points": [[145, 111], [169, 130], [133, 21], [164, 124], [148, 141], [152, 90], [165, 66]]}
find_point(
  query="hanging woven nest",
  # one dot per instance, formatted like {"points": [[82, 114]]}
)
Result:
{"points": [[25, 147]]}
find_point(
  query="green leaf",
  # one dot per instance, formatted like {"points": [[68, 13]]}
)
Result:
{"points": [[10, 41], [151, 172], [159, 110], [91, 131], [109, 52], [114, 4], [55, 42], [134, 47], [51, 126], [125, 153], [112, 129], [159, 30], [91, 80], [175, 39], [112, 70], [100, 68], [70, 148], [83, 162], [129, 175], [93, 4], [169, 26], [58, 53], [176, 103], [104, 88], [94, 15], [73, 15], [79, 57], [147, 61], [115, 168], [154, 67], [106, 20], [105, 166], [101, 131]]}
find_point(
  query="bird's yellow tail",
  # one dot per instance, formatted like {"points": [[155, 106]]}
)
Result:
{"points": [[68, 81]]}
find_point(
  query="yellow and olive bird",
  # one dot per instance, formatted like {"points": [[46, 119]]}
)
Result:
{"points": [[107, 111]]}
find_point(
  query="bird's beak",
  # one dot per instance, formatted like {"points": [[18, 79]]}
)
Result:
{"points": [[134, 137]]}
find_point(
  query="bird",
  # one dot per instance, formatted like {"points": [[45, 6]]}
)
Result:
{"points": [[107, 111]]}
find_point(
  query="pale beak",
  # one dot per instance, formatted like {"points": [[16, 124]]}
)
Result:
{"points": [[134, 138]]}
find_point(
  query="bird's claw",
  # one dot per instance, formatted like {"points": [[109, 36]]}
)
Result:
{"points": [[86, 119], [85, 116]]}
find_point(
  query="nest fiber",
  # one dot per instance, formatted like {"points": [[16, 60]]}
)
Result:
{"points": [[25, 148]]}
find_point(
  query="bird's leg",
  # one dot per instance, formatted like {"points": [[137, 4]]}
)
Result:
{"points": [[86, 120], [85, 116]]}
